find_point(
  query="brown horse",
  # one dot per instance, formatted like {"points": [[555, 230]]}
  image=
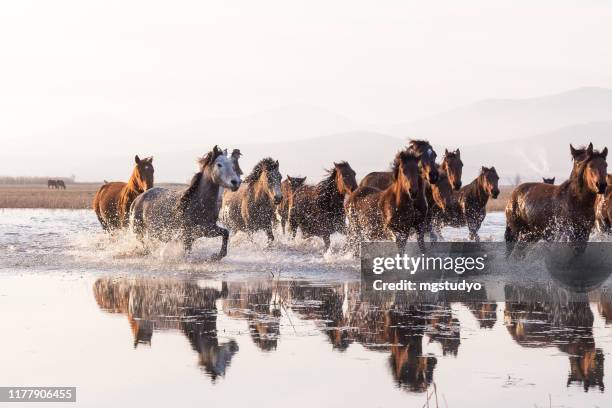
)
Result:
{"points": [[429, 173], [548, 180], [288, 187], [112, 201], [253, 206], [319, 210], [603, 209], [383, 214], [443, 205], [453, 167], [61, 184], [472, 200], [542, 211]]}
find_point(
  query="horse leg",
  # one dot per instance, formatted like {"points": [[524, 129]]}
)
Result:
{"points": [[400, 241], [270, 235], [510, 238], [326, 241], [216, 231]]}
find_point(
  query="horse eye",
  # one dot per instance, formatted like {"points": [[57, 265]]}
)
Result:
{"points": [[219, 165]]}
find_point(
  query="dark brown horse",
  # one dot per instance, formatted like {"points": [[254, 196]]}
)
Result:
{"points": [[548, 180], [112, 201], [453, 167], [288, 187], [603, 209], [542, 211], [319, 210], [429, 173], [443, 205], [385, 214], [51, 183], [472, 200], [253, 206]]}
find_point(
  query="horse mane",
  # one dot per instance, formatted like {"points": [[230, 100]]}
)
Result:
{"points": [[327, 184], [400, 157], [204, 162], [266, 164], [418, 145]]}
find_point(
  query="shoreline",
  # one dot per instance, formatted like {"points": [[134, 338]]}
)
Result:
{"points": [[79, 196]]}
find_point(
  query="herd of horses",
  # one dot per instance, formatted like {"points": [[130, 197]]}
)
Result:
{"points": [[56, 184], [418, 196]]}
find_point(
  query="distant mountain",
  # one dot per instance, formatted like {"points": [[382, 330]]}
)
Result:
{"points": [[546, 154], [494, 120]]}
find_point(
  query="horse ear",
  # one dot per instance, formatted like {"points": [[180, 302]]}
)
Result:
{"points": [[604, 152], [137, 159], [276, 164], [458, 153], [572, 150], [483, 169], [445, 151], [289, 177], [553, 180], [590, 149], [151, 159]]}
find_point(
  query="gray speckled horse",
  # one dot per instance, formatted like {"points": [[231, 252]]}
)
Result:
{"points": [[187, 215]]}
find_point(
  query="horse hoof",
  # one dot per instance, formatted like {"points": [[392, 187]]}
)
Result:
{"points": [[215, 258]]}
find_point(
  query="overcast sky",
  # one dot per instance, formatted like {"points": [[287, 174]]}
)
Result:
{"points": [[155, 63]]}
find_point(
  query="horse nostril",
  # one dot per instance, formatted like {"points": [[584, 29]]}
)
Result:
{"points": [[234, 182], [458, 186]]}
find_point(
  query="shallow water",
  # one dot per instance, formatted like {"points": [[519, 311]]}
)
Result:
{"points": [[286, 326]]}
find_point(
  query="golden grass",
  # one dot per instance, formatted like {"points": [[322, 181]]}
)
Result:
{"points": [[76, 196], [80, 195]]}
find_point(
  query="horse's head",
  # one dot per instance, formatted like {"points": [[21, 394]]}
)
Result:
{"points": [[489, 181], [295, 182], [406, 172], [442, 191], [144, 172], [427, 159], [548, 180], [595, 169], [345, 178], [267, 173], [453, 166], [221, 169]]}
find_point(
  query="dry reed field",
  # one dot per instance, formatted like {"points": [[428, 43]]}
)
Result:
{"points": [[76, 195], [80, 195]]}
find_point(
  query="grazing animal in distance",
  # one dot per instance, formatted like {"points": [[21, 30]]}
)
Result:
{"points": [[538, 211], [603, 209], [472, 200], [288, 187], [51, 184], [319, 210], [452, 166], [165, 215], [253, 206], [376, 214], [548, 180], [113, 200], [61, 184]]}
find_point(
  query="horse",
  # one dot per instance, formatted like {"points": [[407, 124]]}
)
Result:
{"points": [[51, 184], [61, 184], [472, 201], [288, 187], [548, 180], [319, 210], [165, 214], [113, 200], [603, 209], [429, 173], [443, 205], [538, 211], [253, 206], [453, 167], [376, 214]]}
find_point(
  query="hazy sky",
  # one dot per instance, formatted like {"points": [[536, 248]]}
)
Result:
{"points": [[153, 63]]}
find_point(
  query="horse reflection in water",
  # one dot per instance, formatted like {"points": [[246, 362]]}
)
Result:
{"points": [[555, 321], [170, 305], [383, 324], [259, 305]]}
